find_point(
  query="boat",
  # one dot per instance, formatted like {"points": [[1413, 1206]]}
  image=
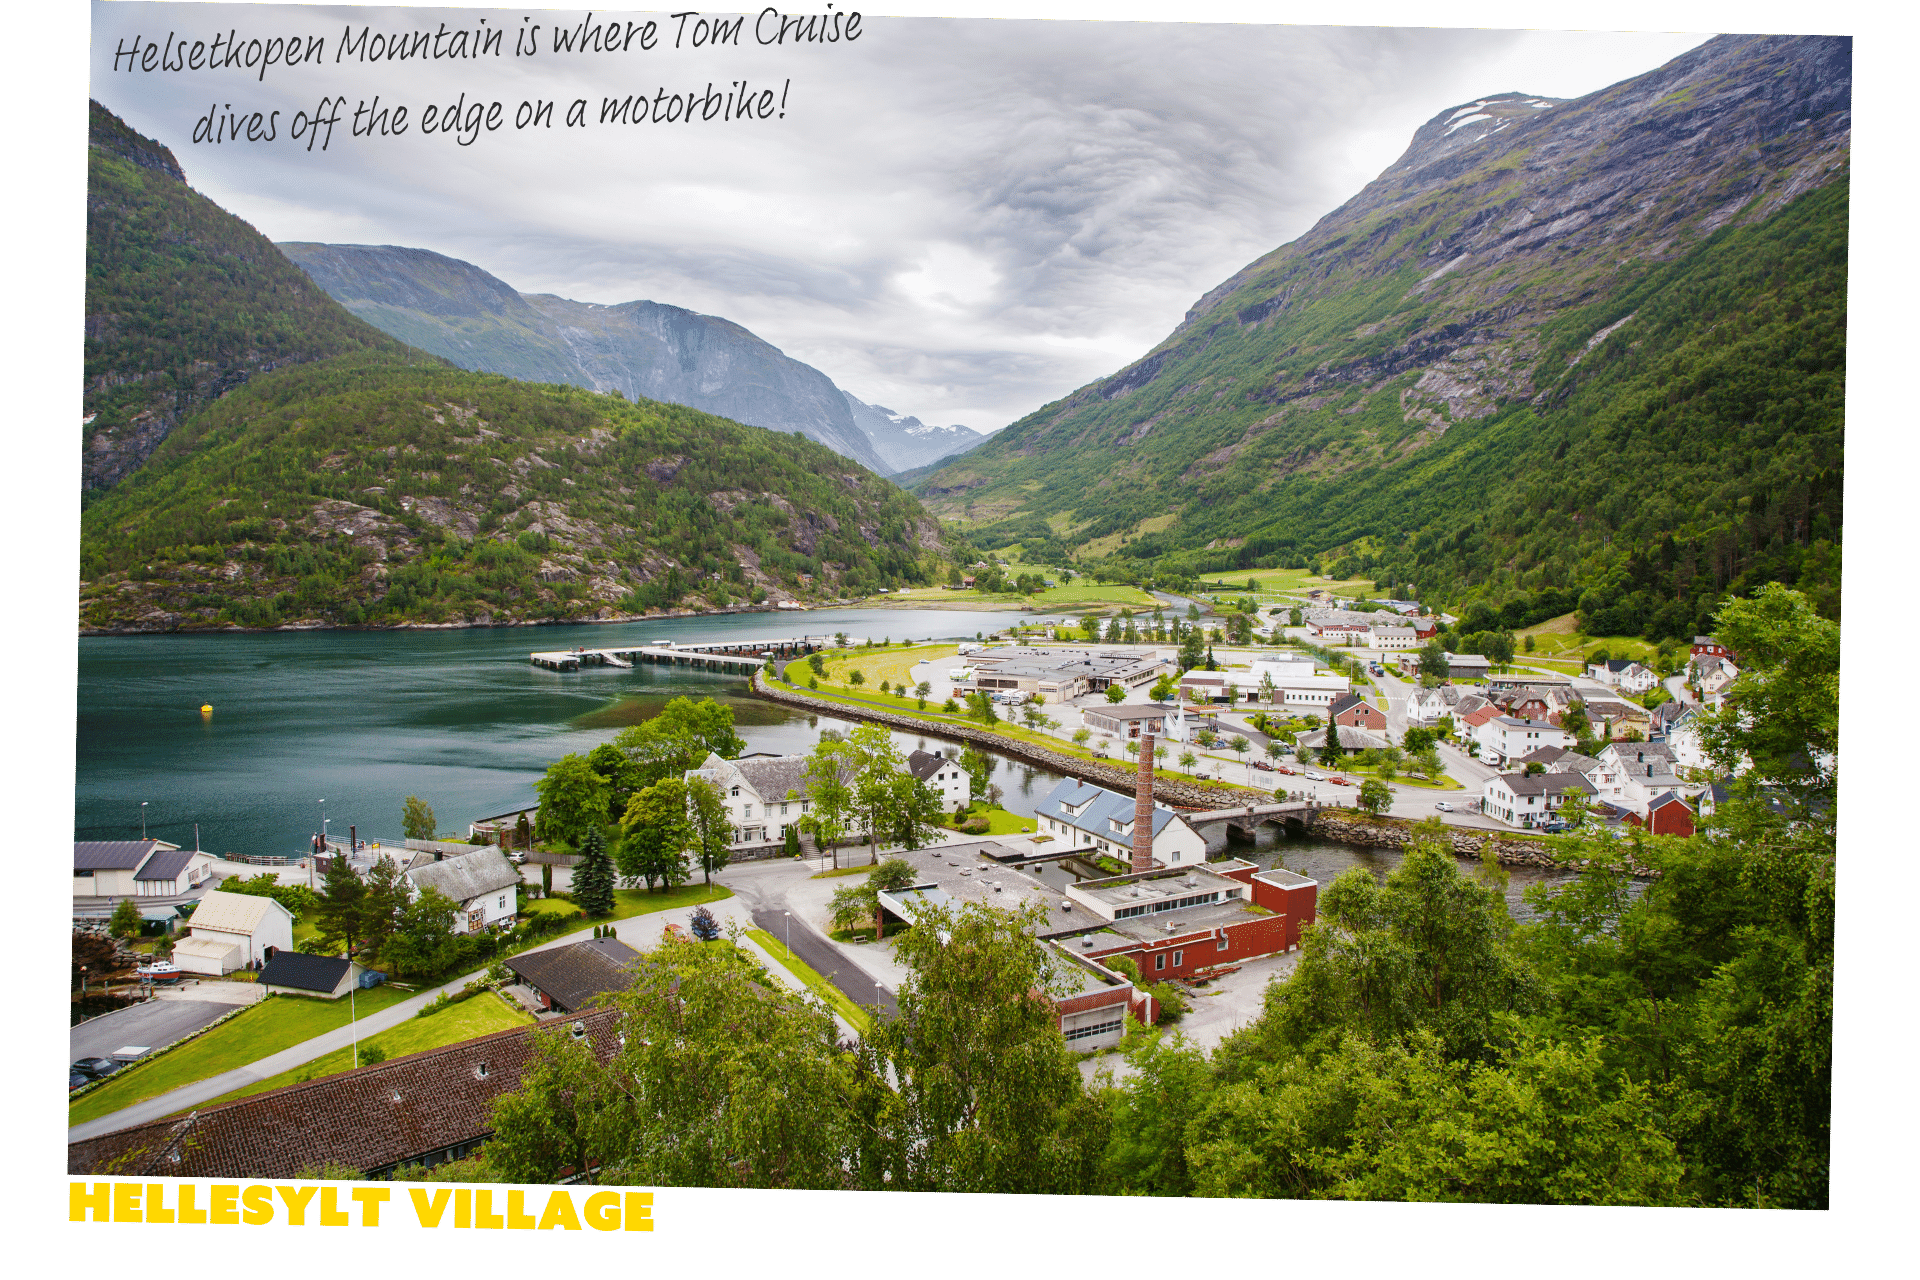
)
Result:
{"points": [[160, 971]]}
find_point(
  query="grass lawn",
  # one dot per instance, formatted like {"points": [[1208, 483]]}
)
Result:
{"points": [[637, 902], [1558, 638], [892, 663], [834, 998], [1002, 823], [277, 1023], [478, 1016], [831, 872]]}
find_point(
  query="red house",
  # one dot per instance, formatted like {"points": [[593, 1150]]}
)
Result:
{"points": [[1356, 712], [1667, 815]]}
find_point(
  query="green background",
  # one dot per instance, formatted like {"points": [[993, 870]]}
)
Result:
{"points": [[811, 1232]]}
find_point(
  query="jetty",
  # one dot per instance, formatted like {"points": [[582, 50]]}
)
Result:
{"points": [[742, 656]]}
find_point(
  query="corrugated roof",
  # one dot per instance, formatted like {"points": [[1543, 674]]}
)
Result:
{"points": [[468, 876], [370, 1119], [232, 912], [166, 864], [215, 948], [113, 855]]}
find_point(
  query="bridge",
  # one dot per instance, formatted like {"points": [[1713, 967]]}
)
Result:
{"points": [[738, 657], [1247, 819]]}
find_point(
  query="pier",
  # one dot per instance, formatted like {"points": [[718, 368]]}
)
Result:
{"points": [[739, 657]]}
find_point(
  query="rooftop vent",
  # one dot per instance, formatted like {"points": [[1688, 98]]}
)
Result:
{"points": [[1066, 905], [1191, 881], [1087, 942], [480, 1072], [579, 1030]]}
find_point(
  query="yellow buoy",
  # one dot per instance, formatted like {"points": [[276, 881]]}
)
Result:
{"points": [[206, 708]]}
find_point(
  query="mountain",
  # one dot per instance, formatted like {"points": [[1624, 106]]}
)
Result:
{"points": [[273, 461], [643, 350], [365, 491], [184, 303], [1584, 354], [905, 443]]}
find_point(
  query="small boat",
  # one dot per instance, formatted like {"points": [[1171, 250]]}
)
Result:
{"points": [[160, 971]]}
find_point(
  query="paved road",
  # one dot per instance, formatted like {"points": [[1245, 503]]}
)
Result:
{"points": [[156, 1024], [821, 955]]}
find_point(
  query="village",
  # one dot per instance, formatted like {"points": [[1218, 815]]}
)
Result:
{"points": [[1142, 877]]}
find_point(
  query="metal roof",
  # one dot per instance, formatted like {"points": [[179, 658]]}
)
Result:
{"points": [[305, 972], [467, 877], [114, 855]]}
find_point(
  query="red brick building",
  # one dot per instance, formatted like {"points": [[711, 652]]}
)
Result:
{"points": [[1357, 713], [1178, 923]]}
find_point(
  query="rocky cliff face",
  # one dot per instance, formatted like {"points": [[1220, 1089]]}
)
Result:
{"points": [[905, 443], [643, 350], [1424, 302]]}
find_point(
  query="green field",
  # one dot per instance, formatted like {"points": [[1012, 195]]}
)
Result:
{"points": [[1074, 595], [637, 902], [834, 998], [1002, 823], [276, 1023], [477, 1016]]}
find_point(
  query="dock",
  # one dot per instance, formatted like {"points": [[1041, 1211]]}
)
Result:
{"points": [[739, 657]]}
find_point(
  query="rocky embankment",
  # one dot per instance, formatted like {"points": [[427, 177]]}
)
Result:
{"points": [[1185, 794], [1349, 827]]}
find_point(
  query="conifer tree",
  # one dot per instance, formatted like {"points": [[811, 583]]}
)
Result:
{"points": [[593, 878]]}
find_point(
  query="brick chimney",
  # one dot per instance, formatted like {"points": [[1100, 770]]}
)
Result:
{"points": [[1143, 808]]}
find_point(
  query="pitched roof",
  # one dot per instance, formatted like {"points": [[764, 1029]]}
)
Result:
{"points": [[1543, 755], [1351, 739], [232, 912], [469, 875], [370, 1119], [305, 972], [1343, 702], [1545, 784], [1107, 807], [166, 864], [114, 855], [574, 974], [924, 764]]}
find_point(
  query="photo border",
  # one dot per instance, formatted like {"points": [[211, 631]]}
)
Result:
{"points": [[728, 1232]]}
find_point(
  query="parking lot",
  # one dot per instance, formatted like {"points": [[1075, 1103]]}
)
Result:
{"points": [[156, 1024]]}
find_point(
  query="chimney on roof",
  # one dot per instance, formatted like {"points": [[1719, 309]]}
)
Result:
{"points": [[1143, 807]]}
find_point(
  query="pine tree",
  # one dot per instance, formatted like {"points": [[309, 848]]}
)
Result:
{"points": [[593, 878]]}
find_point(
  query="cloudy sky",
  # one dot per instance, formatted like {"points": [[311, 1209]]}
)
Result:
{"points": [[958, 218]]}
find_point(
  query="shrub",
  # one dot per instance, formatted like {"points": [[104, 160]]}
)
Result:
{"points": [[371, 1054], [1173, 1002]]}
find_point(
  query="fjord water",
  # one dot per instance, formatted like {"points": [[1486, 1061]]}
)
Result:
{"points": [[363, 719]]}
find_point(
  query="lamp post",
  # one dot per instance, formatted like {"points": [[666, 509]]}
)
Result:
{"points": [[789, 941], [143, 819]]}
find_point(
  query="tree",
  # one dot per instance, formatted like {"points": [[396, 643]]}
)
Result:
{"points": [[416, 819], [703, 926], [1295, 617], [382, 905], [1433, 660], [1166, 1088], [1375, 797], [1116, 693], [565, 1115], [792, 840], [856, 678], [424, 942], [858, 904], [1165, 689], [978, 766], [912, 813], [830, 797], [1240, 746], [1033, 717], [1330, 753], [1417, 740], [655, 834], [1188, 760], [980, 707], [593, 877], [678, 739], [988, 1097], [1081, 735], [337, 921], [573, 799], [125, 921], [1780, 724], [1499, 647], [523, 832], [711, 828]]}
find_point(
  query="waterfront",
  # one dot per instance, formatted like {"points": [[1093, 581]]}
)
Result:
{"points": [[363, 719]]}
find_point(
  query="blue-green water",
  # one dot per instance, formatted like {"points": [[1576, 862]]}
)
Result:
{"points": [[363, 719]]}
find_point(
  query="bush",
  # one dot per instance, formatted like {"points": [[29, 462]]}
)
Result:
{"points": [[371, 1054], [1172, 1001]]}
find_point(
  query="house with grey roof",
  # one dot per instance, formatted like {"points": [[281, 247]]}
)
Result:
{"points": [[763, 795], [484, 887], [568, 979], [112, 869], [943, 773], [1527, 801], [1089, 815]]}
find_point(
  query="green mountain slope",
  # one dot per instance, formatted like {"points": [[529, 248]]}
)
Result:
{"points": [[1585, 353], [365, 491], [184, 303]]}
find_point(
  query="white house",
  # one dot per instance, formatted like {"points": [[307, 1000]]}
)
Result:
{"points": [[1505, 738], [1428, 706], [136, 869], [764, 794], [1623, 674], [231, 931], [943, 773], [1683, 739], [1087, 814], [1520, 800], [1386, 637], [484, 887], [1646, 771]]}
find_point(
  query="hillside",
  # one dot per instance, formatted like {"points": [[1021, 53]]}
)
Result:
{"points": [[365, 491], [643, 350], [905, 443], [184, 303], [1561, 354]]}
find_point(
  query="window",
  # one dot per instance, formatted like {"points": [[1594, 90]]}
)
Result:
{"points": [[502, 904], [746, 811], [1176, 959], [734, 792], [783, 811], [1160, 961], [1090, 1030], [1220, 943]]}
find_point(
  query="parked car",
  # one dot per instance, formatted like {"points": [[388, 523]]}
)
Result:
{"points": [[96, 1067], [1311, 776], [517, 857], [77, 1079], [1557, 826], [1443, 806], [1341, 782]]}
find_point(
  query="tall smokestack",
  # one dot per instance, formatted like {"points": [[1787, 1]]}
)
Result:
{"points": [[1143, 808]]}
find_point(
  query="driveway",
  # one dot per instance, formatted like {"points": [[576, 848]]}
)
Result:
{"points": [[155, 1024]]}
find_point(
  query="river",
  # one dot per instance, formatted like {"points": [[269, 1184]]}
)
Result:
{"points": [[345, 724]]}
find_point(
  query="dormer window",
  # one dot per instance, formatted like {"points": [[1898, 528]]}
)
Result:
{"points": [[734, 792]]}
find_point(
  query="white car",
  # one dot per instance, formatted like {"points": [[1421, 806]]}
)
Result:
{"points": [[1311, 776], [1443, 806]]}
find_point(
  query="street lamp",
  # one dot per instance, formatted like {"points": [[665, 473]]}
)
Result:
{"points": [[789, 916], [143, 819]]}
